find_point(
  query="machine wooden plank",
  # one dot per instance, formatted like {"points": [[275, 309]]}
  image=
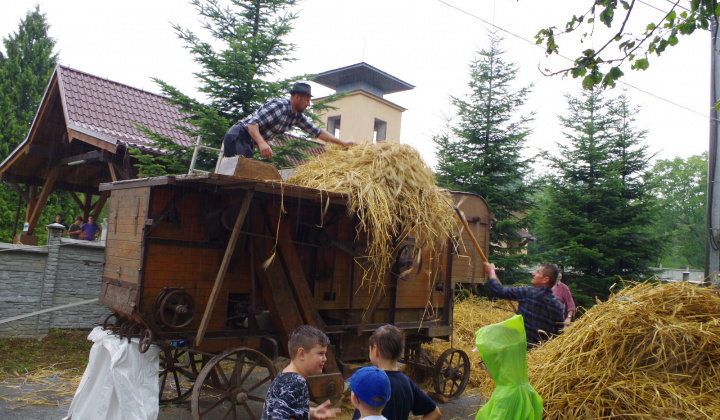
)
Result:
{"points": [[298, 283], [276, 292], [223, 267]]}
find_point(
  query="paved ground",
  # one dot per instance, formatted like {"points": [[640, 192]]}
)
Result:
{"points": [[463, 408]]}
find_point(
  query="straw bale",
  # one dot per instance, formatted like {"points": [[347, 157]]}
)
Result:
{"points": [[392, 192], [651, 351]]}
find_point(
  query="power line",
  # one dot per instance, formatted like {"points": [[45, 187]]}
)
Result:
{"points": [[571, 60], [677, 4], [653, 7]]}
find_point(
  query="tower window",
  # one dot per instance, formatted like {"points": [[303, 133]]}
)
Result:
{"points": [[333, 125], [379, 130]]}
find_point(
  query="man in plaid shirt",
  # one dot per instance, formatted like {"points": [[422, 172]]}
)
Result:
{"points": [[273, 119], [542, 312]]}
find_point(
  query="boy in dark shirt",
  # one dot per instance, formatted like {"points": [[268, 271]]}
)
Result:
{"points": [[387, 346], [288, 396], [74, 231]]}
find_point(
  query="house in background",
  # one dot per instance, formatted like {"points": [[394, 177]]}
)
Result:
{"points": [[363, 114]]}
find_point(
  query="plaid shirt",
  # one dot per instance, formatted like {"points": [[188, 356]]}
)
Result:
{"points": [[537, 305], [276, 118]]}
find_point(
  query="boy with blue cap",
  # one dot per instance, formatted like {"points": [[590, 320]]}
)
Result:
{"points": [[370, 392]]}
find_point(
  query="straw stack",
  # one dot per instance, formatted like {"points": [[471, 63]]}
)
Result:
{"points": [[392, 192], [649, 352]]}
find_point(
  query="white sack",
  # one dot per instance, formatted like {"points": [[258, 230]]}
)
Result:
{"points": [[119, 383]]}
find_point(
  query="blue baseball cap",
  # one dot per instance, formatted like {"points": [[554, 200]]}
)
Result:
{"points": [[371, 385]]}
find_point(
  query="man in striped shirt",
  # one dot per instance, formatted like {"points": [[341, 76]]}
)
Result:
{"points": [[273, 119]]}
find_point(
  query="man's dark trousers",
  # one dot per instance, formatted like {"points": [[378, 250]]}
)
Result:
{"points": [[237, 141]]}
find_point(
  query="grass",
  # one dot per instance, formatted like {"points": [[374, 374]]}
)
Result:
{"points": [[69, 349]]}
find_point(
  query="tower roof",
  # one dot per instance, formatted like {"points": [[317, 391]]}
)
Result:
{"points": [[362, 76]]}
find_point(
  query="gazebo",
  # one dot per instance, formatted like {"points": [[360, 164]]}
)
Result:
{"points": [[80, 138]]}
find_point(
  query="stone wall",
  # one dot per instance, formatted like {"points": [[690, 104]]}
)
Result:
{"points": [[63, 272]]}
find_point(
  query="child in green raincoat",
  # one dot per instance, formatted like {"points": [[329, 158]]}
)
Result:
{"points": [[503, 348]]}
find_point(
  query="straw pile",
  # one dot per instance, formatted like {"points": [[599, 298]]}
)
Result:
{"points": [[392, 192], [649, 352]]}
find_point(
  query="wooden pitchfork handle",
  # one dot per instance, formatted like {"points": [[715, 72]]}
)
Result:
{"points": [[464, 221]]}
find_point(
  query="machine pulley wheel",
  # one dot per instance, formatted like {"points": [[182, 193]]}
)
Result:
{"points": [[175, 308], [232, 385], [452, 372]]}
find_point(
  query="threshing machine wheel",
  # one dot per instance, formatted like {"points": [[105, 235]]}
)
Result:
{"points": [[175, 308], [178, 369], [452, 372], [232, 385]]}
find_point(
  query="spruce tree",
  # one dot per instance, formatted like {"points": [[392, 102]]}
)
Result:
{"points": [[482, 153], [595, 215], [237, 76], [24, 74], [25, 70]]}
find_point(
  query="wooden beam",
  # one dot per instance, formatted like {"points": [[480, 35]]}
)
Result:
{"points": [[111, 168], [40, 202], [100, 203], [39, 182], [32, 201], [86, 206], [291, 262], [100, 144], [224, 266], [76, 198], [18, 189], [88, 157]]}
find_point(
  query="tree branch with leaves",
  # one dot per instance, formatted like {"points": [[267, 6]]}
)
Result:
{"points": [[594, 66]]}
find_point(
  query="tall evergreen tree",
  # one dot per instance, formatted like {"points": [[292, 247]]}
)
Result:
{"points": [[25, 70], [595, 216], [482, 154], [24, 75], [238, 78]]}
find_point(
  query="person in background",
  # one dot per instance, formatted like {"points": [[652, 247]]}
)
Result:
{"points": [[273, 119], [59, 220], [370, 388], [387, 345], [288, 396], [562, 293], [90, 230], [542, 312], [74, 230]]}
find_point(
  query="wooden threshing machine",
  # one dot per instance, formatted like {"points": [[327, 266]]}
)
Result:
{"points": [[186, 268]]}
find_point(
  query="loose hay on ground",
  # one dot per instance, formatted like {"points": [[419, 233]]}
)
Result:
{"points": [[392, 192], [650, 351], [51, 385]]}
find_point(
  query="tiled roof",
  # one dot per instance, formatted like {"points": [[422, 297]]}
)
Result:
{"points": [[109, 108]]}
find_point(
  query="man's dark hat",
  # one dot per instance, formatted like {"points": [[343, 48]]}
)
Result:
{"points": [[300, 87]]}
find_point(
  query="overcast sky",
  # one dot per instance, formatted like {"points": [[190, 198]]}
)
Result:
{"points": [[427, 43]]}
